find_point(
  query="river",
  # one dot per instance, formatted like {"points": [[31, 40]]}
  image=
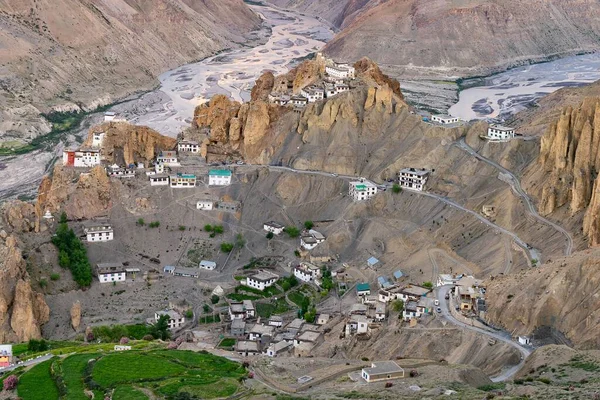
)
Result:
{"points": [[507, 93], [170, 108]]}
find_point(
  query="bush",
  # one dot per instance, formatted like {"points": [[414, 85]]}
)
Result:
{"points": [[208, 228], [189, 314], [10, 383], [544, 380], [240, 241], [270, 235], [182, 228], [218, 229], [72, 253], [154, 224], [308, 224], [365, 359], [427, 285], [148, 338], [206, 308], [214, 299], [54, 276], [396, 188], [226, 247], [140, 222], [292, 231], [388, 385], [413, 373], [43, 283]]}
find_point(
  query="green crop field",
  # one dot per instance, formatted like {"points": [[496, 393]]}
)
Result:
{"points": [[163, 372], [37, 383]]}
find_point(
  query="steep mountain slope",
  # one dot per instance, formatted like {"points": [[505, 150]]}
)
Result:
{"points": [[473, 37], [71, 54], [338, 13]]}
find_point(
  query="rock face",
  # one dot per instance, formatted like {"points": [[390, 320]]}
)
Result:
{"points": [[48, 64], [562, 295], [76, 315], [569, 164], [449, 38], [22, 311]]}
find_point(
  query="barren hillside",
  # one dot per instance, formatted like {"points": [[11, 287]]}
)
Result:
{"points": [[466, 38], [72, 54]]}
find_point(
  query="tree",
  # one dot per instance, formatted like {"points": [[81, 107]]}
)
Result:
{"points": [[218, 229], [396, 188], [10, 383], [208, 228], [214, 299], [270, 235], [308, 224], [427, 285], [240, 241], [36, 346], [292, 231], [398, 305], [206, 308], [63, 218], [226, 247], [141, 222], [160, 329], [189, 314], [310, 315]]}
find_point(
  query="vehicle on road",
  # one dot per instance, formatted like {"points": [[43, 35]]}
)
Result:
{"points": [[447, 296], [240, 163], [439, 310], [436, 302], [334, 174]]}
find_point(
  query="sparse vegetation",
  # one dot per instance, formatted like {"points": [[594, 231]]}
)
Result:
{"points": [[492, 386], [72, 253], [396, 188], [427, 285], [308, 224], [182, 228], [43, 283], [292, 231], [398, 305], [189, 314], [270, 235], [226, 247], [240, 241], [54, 276], [140, 222], [154, 224]]}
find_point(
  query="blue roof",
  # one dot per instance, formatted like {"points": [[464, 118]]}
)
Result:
{"points": [[398, 274], [219, 172], [361, 287], [372, 261]]}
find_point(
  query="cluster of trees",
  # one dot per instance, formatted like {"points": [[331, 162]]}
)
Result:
{"points": [[327, 280], [115, 333], [72, 253], [288, 282], [37, 346], [214, 229]]}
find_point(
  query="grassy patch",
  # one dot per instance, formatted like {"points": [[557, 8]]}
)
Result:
{"points": [[72, 369], [492, 386], [581, 363], [208, 319], [119, 368], [241, 296], [265, 310], [128, 393], [37, 383], [227, 342], [297, 298]]}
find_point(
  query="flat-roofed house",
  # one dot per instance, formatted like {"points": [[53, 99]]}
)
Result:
{"points": [[362, 190], [238, 328], [444, 119], [168, 158], [183, 180], [381, 371], [111, 272], [219, 177], [176, 320], [188, 146], [96, 231], [307, 272], [81, 157], [6, 355], [159, 180], [209, 265], [258, 331], [278, 348], [261, 280], [274, 227], [247, 348], [205, 205], [499, 133], [413, 178], [98, 139]]}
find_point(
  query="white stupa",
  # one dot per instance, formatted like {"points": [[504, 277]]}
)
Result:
{"points": [[48, 215]]}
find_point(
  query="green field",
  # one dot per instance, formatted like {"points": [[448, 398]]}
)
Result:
{"points": [[37, 383], [163, 372]]}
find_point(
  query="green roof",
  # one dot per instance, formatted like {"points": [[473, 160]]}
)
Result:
{"points": [[361, 187], [186, 176], [220, 172], [361, 287]]}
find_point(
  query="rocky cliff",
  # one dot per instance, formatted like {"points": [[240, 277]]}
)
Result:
{"points": [[78, 54], [22, 311], [463, 38], [568, 166], [563, 294]]}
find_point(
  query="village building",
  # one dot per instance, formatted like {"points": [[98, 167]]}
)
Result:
{"points": [[168, 158], [380, 312], [323, 319], [98, 139], [209, 265], [247, 348], [111, 272], [219, 177], [228, 206], [186, 272], [362, 190], [307, 272], [98, 231], [109, 116], [188, 146], [341, 88], [444, 119], [205, 205], [159, 180], [274, 227], [279, 99], [261, 280], [311, 337], [311, 238], [81, 158], [330, 90], [447, 279], [238, 328], [176, 320], [413, 178], [6, 355], [359, 309], [363, 289], [357, 325], [258, 331], [182, 180], [278, 348], [241, 310], [410, 311], [168, 269], [524, 340], [114, 171], [313, 93], [499, 133], [340, 70], [398, 275], [382, 371], [159, 168], [298, 101], [276, 321], [372, 261], [488, 210], [384, 282]]}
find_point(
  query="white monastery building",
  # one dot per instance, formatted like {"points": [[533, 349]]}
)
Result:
{"points": [[413, 178], [98, 232], [159, 180], [444, 119], [261, 280], [500, 133], [340, 70], [188, 146], [98, 139], [168, 158], [219, 177], [313, 93], [111, 272], [362, 190], [81, 158]]}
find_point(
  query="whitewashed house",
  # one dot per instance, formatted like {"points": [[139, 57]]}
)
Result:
{"points": [[298, 101], [209, 265], [380, 312], [261, 280], [81, 158], [382, 371], [205, 205], [182, 180], [340, 70], [341, 88], [499, 133], [98, 231], [309, 240], [279, 99], [176, 320], [188, 146], [362, 190], [413, 178], [444, 119], [330, 90], [278, 348], [159, 168], [313, 93], [109, 116], [168, 159], [159, 180], [274, 227], [258, 331], [307, 272], [98, 139], [219, 177], [111, 272], [114, 171]]}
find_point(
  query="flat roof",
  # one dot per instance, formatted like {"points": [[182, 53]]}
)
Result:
{"points": [[501, 127], [309, 336], [363, 287], [317, 235], [380, 308], [414, 171], [158, 176], [185, 176], [247, 345], [295, 324], [264, 276], [398, 274], [238, 324], [276, 318], [372, 261], [248, 304], [262, 329], [110, 268], [168, 153], [188, 142], [280, 345], [274, 224], [443, 116], [207, 263], [219, 172], [383, 368], [187, 271], [416, 290], [171, 313]]}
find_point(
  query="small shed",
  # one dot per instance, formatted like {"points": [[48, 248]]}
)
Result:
{"points": [[209, 265], [169, 269], [398, 274], [371, 262]]}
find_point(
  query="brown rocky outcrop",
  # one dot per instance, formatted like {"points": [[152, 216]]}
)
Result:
{"points": [[262, 87], [76, 315], [568, 165], [370, 72], [125, 144], [21, 216], [22, 311]]}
